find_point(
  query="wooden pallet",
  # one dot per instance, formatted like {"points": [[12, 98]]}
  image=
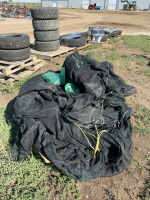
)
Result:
{"points": [[11, 71], [53, 54], [117, 36], [77, 49], [100, 43]]}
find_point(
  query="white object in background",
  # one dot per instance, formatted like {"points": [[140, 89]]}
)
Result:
{"points": [[86, 4], [55, 4], [113, 4]]}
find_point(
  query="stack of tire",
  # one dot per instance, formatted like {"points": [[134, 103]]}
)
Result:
{"points": [[14, 46], [113, 32], [45, 24]]}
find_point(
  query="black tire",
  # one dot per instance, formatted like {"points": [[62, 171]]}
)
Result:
{"points": [[104, 38], [85, 34], [47, 46], [15, 55], [75, 42], [14, 41], [61, 36], [45, 36], [119, 32], [97, 31], [45, 25], [114, 33], [44, 13]]}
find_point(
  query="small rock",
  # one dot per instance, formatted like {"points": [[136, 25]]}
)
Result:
{"points": [[86, 196]]}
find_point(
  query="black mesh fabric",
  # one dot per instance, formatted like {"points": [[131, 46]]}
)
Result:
{"points": [[63, 125]]}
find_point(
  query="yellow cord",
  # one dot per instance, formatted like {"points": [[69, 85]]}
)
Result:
{"points": [[98, 137], [84, 135]]}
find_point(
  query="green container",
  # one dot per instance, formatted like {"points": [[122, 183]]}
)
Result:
{"points": [[69, 87]]}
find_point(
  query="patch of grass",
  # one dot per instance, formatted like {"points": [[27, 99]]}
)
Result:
{"points": [[91, 54], [7, 89], [99, 56], [113, 49], [52, 61], [142, 116], [113, 40], [141, 61], [113, 56], [127, 57], [126, 60], [146, 72], [31, 178], [39, 57], [10, 89], [139, 42], [19, 83], [134, 160], [129, 69], [95, 46]]}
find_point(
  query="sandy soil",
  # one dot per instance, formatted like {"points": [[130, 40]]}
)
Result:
{"points": [[129, 185], [73, 20]]}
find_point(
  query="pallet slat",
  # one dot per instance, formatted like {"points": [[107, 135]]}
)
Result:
{"points": [[35, 68], [50, 55], [17, 65], [22, 68]]}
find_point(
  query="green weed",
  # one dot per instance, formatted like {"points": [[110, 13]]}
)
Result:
{"points": [[113, 40], [99, 56], [7, 89], [39, 57], [146, 72], [126, 61], [142, 116], [90, 53], [113, 56], [92, 47], [141, 61], [19, 83], [32, 178], [113, 49], [139, 42], [53, 61], [10, 89], [129, 69], [126, 58]]}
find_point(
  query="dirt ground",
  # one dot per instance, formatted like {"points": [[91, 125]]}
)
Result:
{"points": [[129, 185], [73, 20]]}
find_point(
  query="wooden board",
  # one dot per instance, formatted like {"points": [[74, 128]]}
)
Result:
{"points": [[52, 54], [100, 43], [117, 36], [11, 71], [77, 49], [8, 68]]}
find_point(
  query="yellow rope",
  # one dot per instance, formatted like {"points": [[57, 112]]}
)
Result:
{"points": [[84, 135], [98, 137]]}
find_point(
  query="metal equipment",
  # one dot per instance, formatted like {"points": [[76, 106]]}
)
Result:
{"points": [[131, 5]]}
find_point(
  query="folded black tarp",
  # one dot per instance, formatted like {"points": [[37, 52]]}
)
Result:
{"points": [[86, 135]]}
